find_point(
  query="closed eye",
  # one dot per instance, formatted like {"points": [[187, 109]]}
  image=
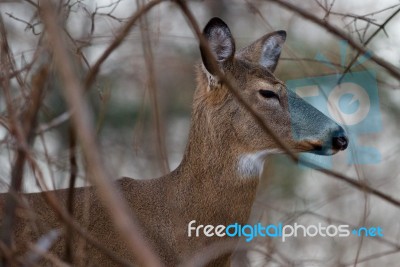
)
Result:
{"points": [[268, 94]]}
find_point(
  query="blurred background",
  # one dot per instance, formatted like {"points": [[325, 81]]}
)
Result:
{"points": [[141, 116]]}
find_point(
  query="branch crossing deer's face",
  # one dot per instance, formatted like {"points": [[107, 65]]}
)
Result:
{"points": [[296, 122]]}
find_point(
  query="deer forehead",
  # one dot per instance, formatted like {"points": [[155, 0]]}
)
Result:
{"points": [[254, 75], [265, 84]]}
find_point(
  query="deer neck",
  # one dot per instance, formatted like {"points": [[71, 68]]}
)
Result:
{"points": [[213, 167]]}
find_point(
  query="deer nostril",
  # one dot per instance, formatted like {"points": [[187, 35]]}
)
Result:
{"points": [[340, 141]]}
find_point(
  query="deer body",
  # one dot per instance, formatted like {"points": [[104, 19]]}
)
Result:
{"points": [[217, 179]]}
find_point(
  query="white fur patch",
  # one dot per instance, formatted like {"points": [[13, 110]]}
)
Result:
{"points": [[252, 164]]}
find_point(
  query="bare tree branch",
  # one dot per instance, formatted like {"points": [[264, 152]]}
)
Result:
{"points": [[118, 40], [395, 72], [108, 194], [381, 27]]}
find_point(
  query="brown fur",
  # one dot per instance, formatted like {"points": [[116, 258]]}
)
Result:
{"points": [[206, 186]]}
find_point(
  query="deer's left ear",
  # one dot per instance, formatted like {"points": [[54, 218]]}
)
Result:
{"points": [[266, 50], [220, 41]]}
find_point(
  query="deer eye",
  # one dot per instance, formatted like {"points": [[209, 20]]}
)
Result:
{"points": [[268, 94]]}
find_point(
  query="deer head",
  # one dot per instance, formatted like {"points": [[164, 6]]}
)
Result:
{"points": [[301, 126]]}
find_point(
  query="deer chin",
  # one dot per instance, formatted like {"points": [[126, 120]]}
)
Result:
{"points": [[250, 165], [324, 151]]}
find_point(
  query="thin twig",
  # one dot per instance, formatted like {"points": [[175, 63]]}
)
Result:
{"points": [[71, 190], [152, 87]]}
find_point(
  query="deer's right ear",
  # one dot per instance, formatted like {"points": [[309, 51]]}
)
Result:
{"points": [[220, 41]]}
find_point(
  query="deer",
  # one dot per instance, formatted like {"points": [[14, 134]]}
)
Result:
{"points": [[217, 179]]}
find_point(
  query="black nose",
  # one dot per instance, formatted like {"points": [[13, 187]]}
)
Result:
{"points": [[340, 141]]}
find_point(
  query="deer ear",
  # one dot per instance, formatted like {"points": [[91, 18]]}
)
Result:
{"points": [[266, 50], [220, 41]]}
